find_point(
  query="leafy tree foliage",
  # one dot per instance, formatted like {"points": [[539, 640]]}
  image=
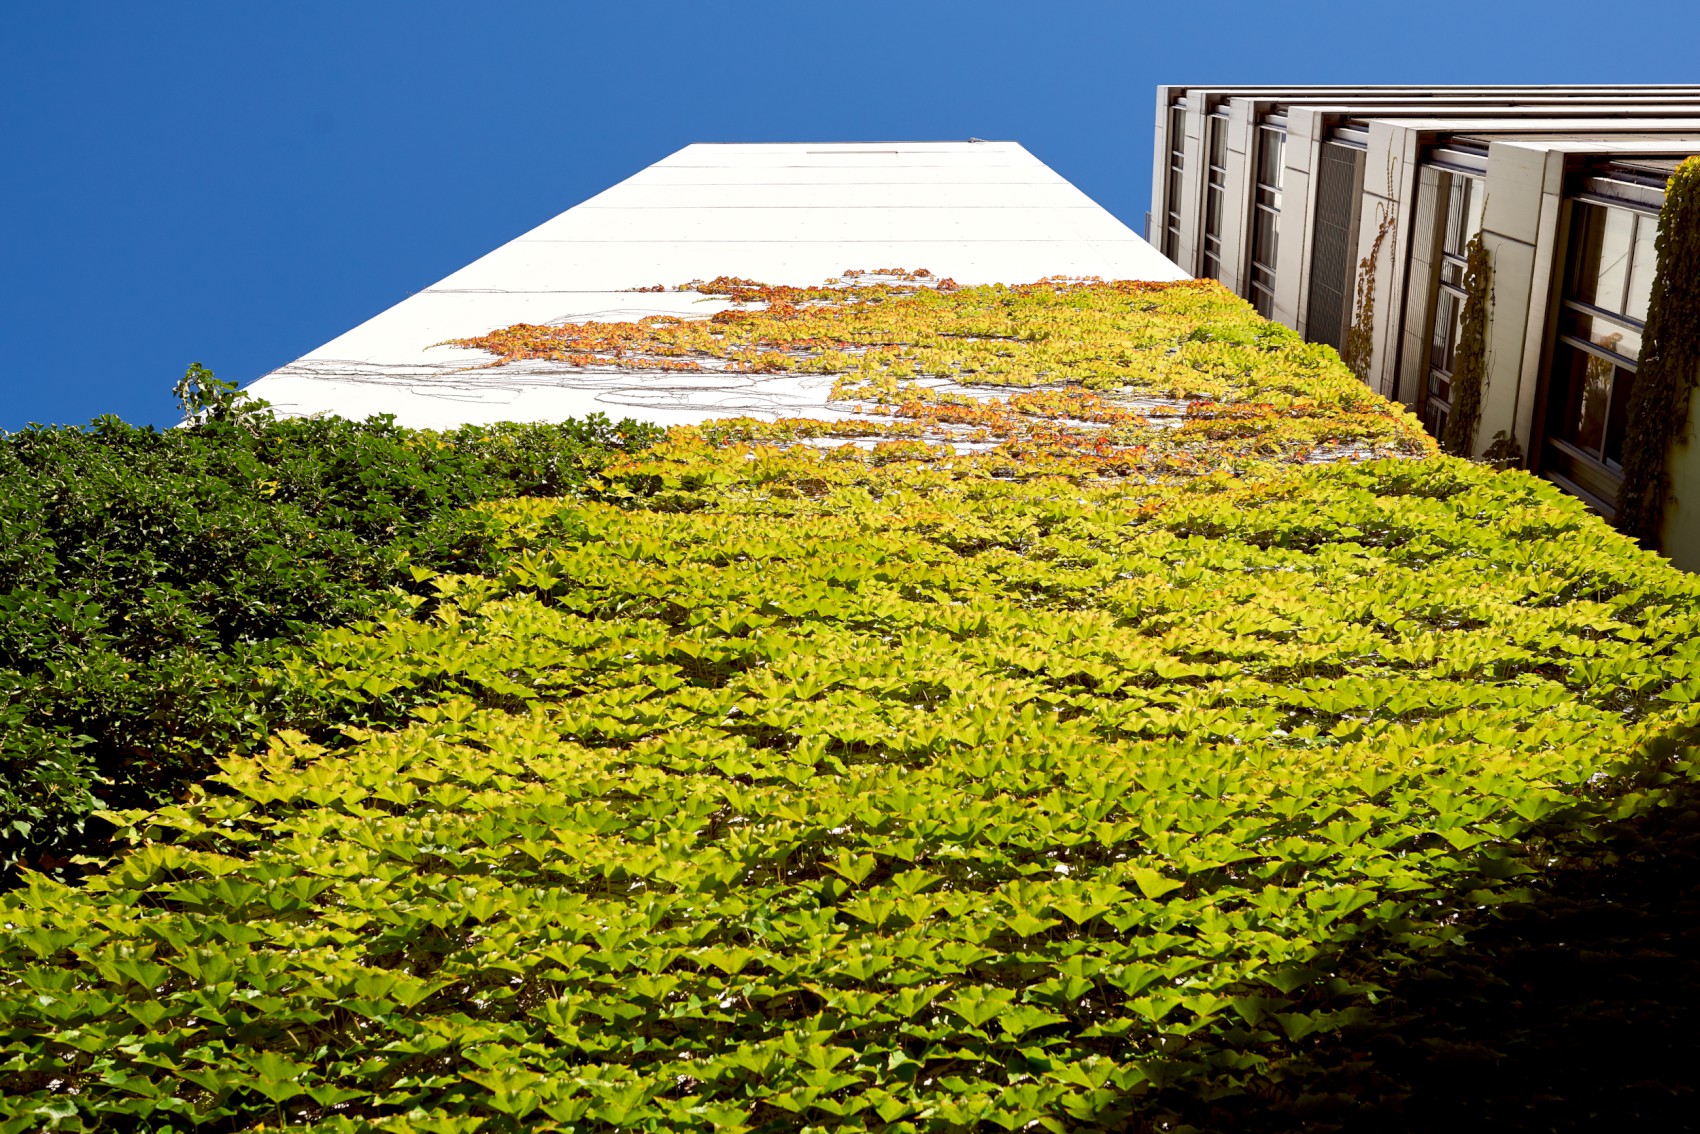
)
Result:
{"points": [[147, 577]]}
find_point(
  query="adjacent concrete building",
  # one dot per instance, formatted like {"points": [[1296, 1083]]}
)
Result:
{"points": [[1345, 212]]}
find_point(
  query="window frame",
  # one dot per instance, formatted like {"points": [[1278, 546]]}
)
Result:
{"points": [[1589, 473], [1462, 189], [1265, 219], [1215, 193], [1177, 183]]}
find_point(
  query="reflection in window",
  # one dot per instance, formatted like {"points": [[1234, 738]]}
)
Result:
{"points": [[1177, 140], [1591, 404], [1608, 282], [1588, 424], [1601, 273], [1216, 156], [1460, 223]]}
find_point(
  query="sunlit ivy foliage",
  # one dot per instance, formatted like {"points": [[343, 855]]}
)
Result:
{"points": [[1175, 377], [898, 790]]}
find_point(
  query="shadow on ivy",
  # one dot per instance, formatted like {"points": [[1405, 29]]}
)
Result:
{"points": [[1578, 1010]]}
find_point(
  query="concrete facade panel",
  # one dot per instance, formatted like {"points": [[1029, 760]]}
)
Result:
{"points": [[1516, 180], [1304, 144], [1186, 254], [1513, 269], [1237, 196], [1541, 305]]}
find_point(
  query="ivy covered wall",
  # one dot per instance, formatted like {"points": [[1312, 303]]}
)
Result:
{"points": [[1670, 363]]}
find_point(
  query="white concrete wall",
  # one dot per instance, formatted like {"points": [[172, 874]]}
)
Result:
{"points": [[1390, 178], [1160, 166], [1306, 129], [1522, 199], [787, 214], [1544, 286], [1238, 195], [1194, 175]]}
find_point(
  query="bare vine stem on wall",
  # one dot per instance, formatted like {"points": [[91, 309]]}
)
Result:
{"points": [[1358, 352]]}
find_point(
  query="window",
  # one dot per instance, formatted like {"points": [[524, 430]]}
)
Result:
{"points": [[1216, 159], [1177, 140], [1271, 142], [1607, 284], [1461, 221]]}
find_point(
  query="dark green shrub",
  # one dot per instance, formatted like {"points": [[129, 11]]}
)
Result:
{"points": [[146, 577]]}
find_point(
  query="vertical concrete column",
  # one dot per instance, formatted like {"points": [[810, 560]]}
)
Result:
{"points": [[1544, 290], [1237, 195], [1306, 127], [1389, 200], [1160, 169], [1511, 222], [1193, 178]]}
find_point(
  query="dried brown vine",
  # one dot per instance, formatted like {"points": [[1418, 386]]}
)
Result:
{"points": [[1358, 351]]}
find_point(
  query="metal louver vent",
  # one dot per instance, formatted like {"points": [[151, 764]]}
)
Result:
{"points": [[1334, 254]]}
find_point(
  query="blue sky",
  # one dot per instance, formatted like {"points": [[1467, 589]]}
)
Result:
{"points": [[235, 184]]}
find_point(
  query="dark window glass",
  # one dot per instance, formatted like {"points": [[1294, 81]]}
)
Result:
{"points": [[1264, 244], [1264, 240], [1609, 267], [1590, 398], [1608, 278], [1623, 385], [1216, 177], [1440, 386], [1269, 164], [1177, 143], [1461, 220], [1589, 407], [1448, 320], [1463, 215], [1607, 334]]}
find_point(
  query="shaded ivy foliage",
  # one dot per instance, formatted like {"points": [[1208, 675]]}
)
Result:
{"points": [[1670, 361], [148, 577]]}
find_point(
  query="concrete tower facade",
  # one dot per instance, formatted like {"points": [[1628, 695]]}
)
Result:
{"points": [[979, 212]]}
